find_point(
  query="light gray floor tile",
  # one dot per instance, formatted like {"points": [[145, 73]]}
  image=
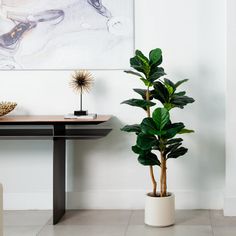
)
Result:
{"points": [[21, 230], [192, 217], [218, 219], [224, 231], [82, 230], [137, 217], [183, 217], [96, 217], [180, 230], [26, 218]]}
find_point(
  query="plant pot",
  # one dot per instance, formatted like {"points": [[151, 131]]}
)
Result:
{"points": [[160, 211]]}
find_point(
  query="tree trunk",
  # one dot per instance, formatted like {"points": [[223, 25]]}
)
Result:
{"points": [[154, 183], [163, 176]]}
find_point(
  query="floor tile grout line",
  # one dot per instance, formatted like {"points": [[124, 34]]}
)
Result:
{"points": [[43, 226], [212, 230], [128, 223]]}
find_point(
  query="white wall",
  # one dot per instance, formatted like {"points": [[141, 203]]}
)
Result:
{"points": [[105, 173], [230, 193]]}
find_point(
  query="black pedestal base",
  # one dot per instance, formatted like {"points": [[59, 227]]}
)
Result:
{"points": [[80, 113]]}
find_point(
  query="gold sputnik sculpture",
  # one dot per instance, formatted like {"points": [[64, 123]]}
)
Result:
{"points": [[81, 82]]}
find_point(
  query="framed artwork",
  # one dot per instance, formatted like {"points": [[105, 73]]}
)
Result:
{"points": [[66, 34]]}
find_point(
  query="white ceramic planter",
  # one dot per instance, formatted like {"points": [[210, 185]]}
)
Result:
{"points": [[160, 211]]}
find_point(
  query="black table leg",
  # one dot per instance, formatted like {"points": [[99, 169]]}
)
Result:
{"points": [[59, 175]]}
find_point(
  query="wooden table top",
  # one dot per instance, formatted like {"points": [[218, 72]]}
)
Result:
{"points": [[51, 120]]}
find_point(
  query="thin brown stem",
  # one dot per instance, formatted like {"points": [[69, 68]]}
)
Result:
{"points": [[163, 176], [154, 183], [148, 99]]}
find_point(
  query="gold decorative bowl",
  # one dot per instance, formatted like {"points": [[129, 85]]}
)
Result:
{"points": [[6, 107]]}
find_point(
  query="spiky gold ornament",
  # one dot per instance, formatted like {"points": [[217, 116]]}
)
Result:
{"points": [[82, 81]]}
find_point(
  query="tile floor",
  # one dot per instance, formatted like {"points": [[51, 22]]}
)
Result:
{"points": [[116, 223]]}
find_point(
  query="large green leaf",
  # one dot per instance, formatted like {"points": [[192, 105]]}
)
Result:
{"points": [[146, 82], [133, 73], [143, 93], [140, 63], [180, 101], [186, 131], [177, 153], [172, 147], [148, 159], [148, 126], [180, 82], [161, 117], [168, 106], [182, 93], [156, 74], [170, 86], [172, 130], [145, 141], [160, 92], [141, 56], [137, 64], [139, 103], [174, 140], [138, 150], [155, 57], [132, 128]]}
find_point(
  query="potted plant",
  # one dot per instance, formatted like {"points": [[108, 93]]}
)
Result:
{"points": [[157, 133]]}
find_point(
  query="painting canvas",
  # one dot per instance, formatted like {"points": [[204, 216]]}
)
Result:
{"points": [[65, 34]]}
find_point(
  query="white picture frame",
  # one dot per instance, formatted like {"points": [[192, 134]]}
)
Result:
{"points": [[66, 34]]}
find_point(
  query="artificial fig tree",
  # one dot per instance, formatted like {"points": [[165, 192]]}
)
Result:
{"points": [[156, 132]]}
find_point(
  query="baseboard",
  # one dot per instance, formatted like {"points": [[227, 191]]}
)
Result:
{"points": [[27, 201], [112, 199], [135, 199], [230, 206]]}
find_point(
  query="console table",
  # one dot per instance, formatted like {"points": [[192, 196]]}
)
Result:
{"points": [[58, 129]]}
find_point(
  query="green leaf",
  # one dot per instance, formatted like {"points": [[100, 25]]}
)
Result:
{"points": [[138, 150], [172, 148], [143, 92], [168, 106], [146, 82], [161, 117], [186, 131], [140, 63], [139, 54], [148, 159], [155, 57], [145, 141], [139, 103], [148, 126], [180, 82], [172, 129], [161, 93], [181, 101], [137, 64], [133, 73], [174, 140], [170, 86], [177, 153], [156, 74], [182, 93], [132, 128]]}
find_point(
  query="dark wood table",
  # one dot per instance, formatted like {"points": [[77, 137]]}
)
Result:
{"points": [[58, 129]]}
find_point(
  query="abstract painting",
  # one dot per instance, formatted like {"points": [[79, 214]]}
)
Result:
{"points": [[65, 34]]}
